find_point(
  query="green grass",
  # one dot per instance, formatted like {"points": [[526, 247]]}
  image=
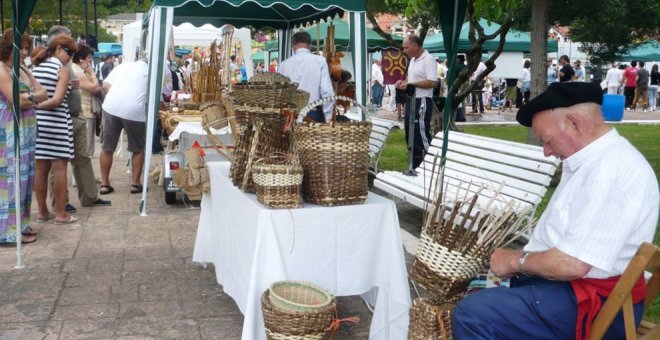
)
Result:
{"points": [[646, 138]]}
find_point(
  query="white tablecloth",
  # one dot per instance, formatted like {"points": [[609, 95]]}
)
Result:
{"points": [[348, 250], [194, 128]]}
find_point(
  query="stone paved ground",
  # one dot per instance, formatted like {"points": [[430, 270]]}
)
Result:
{"points": [[116, 275]]}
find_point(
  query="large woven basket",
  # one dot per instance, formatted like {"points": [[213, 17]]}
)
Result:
{"points": [[279, 95], [443, 272], [254, 143], [290, 325], [430, 320], [335, 159], [277, 181]]}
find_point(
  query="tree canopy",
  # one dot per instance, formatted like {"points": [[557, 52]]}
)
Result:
{"points": [[47, 13]]}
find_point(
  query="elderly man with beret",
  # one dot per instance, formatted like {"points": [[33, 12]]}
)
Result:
{"points": [[605, 206]]}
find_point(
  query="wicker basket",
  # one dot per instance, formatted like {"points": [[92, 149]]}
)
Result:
{"points": [[284, 324], [269, 78], [430, 320], [214, 114], [335, 159], [277, 180], [254, 143], [279, 95], [299, 296], [444, 273]]}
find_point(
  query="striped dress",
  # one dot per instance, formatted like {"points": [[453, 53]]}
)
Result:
{"points": [[54, 126]]}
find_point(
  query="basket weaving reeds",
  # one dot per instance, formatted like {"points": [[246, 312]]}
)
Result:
{"points": [[457, 240], [277, 180], [430, 320], [335, 160], [292, 325]]}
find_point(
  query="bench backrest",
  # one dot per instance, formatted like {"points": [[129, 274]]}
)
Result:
{"points": [[380, 129], [475, 160]]}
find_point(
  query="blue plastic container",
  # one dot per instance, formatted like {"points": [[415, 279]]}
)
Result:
{"points": [[613, 105]]}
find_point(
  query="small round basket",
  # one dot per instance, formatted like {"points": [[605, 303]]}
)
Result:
{"points": [[299, 296], [309, 325], [277, 181]]}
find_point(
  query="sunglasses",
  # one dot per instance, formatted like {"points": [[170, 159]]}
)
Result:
{"points": [[68, 51]]}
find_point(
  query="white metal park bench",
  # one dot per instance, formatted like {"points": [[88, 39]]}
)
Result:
{"points": [[520, 172]]}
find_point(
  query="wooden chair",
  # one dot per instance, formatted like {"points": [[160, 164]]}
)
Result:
{"points": [[647, 257]]}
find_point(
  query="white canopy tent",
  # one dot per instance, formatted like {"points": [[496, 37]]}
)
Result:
{"points": [[184, 35]]}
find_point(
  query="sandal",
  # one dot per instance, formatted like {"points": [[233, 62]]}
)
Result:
{"points": [[24, 240], [29, 232], [46, 218], [106, 189], [136, 188], [70, 220]]}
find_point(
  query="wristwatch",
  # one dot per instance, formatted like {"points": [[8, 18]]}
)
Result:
{"points": [[521, 263]]}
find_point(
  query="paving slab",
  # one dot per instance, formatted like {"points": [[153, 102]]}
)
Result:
{"points": [[117, 275]]}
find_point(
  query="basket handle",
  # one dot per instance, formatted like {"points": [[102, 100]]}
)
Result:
{"points": [[276, 156], [325, 100]]}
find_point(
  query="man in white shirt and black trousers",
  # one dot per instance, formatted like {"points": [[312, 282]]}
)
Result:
{"points": [[422, 75]]}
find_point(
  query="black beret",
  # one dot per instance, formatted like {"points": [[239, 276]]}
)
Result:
{"points": [[560, 95]]}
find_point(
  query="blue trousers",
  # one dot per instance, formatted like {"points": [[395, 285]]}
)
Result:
{"points": [[533, 308], [377, 91], [316, 115]]}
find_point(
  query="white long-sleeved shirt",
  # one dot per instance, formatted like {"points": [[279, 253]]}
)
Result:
{"points": [[377, 75], [605, 206], [311, 73]]}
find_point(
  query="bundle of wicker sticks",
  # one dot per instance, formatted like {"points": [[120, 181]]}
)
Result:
{"points": [[456, 241]]}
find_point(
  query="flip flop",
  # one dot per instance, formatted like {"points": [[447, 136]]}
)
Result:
{"points": [[29, 232], [46, 218], [106, 189], [25, 240], [69, 221], [136, 188]]}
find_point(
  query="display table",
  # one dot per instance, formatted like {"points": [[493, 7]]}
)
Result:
{"points": [[347, 250]]}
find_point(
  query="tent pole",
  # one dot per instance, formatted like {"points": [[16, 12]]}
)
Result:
{"points": [[96, 23], [86, 20]]}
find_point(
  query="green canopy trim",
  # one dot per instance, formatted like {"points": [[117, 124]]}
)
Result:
{"points": [[649, 51], [342, 37], [258, 13], [516, 41]]}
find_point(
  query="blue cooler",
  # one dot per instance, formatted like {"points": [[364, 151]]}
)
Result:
{"points": [[613, 105]]}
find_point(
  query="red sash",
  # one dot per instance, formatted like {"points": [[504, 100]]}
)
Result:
{"points": [[589, 292]]}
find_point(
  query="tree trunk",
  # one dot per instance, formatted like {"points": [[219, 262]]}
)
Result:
{"points": [[539, 54]]}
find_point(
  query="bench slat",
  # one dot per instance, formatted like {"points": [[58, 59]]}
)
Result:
{"points": [[533, 152], [490, 165], [456, 190], [525, 163]]}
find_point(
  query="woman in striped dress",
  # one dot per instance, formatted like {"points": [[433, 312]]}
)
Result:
{"points": [[54, 125]]}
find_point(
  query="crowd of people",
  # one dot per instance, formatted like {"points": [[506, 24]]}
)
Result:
{"points": [[65, 103]]}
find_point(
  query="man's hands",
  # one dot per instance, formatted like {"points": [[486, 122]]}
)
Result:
{"points": [[504, 262], [401, 84]]}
